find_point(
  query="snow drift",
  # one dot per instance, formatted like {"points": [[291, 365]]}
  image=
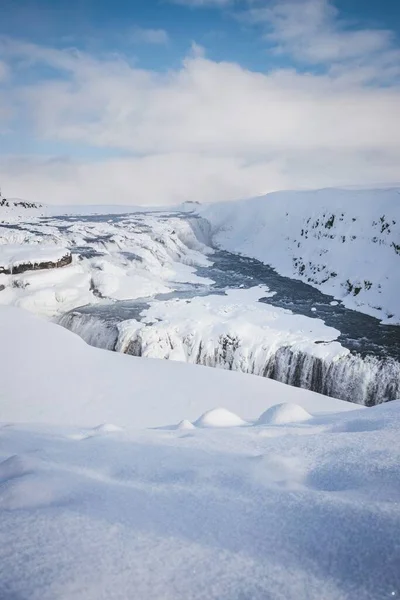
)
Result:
{"points": [[97, 506]]}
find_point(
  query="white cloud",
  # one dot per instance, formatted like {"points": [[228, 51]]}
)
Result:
{"points": [[4, 71], [311, 31], [208, 130], [209, 107], [149, 36], [173, 178]]}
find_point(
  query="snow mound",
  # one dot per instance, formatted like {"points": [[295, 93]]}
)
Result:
{"points": [[281, 414], [14, 466], [185, 425], [107, 428], [219, 417]]}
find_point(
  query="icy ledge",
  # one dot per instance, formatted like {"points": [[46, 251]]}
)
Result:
{"points": [[234, 331], [18, 258]]}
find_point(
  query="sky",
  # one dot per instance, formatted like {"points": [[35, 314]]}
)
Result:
{"points": [[163, 101]]}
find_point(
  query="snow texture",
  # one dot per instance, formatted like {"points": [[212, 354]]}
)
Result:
{"points": [[282, 414], [134, 256], [13, 256], [76, 384], [310, 235], [119, 478], [98, 507]]}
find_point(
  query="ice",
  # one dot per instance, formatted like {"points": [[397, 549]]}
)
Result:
{"points": [[219, 417], [132, 256], [282, 414]]}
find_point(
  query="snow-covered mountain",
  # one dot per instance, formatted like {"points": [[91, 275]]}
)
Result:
{"points": [[344, 242]]}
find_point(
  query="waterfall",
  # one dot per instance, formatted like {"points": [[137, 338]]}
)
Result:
{"points": [[95, 331], [367, 381]]}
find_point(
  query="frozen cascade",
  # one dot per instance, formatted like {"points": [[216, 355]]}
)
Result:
{"points": [[92, 329], [367, 381]]}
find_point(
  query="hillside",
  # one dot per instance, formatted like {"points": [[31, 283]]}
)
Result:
{"points": [[344, 242]]}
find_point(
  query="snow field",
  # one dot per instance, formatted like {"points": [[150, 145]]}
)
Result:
{"points": [[271, 511]]}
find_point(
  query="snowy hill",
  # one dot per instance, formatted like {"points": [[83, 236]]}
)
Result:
{"points": [[14, 209], [344, 242]]}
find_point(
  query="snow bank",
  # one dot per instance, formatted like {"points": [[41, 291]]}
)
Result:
{"points": [[282, 414], [219, 417], [15, 209], [345, 242], [50, 375], [16, 258], [234, 331]]}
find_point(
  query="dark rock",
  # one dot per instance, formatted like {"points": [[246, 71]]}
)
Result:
{"points": [[36, 266]]}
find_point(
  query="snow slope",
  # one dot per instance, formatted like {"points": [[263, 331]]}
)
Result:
{"points": [[298, 503], [345, 242], [15, 209], [76, 384]]}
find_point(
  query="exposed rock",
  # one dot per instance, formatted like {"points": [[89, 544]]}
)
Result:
{"points": [[35, 265]]}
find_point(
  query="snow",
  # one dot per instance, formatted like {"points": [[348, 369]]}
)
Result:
{"points": [[219, 417], [197, 329], [185, 425], [242, 512], [137, 255], [284, 413], [103, 496], [14, 255], [140, 255], [310, 235], [76, 384]]}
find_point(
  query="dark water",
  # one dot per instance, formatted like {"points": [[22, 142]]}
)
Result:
{"points": [[369, 375], [360, 333]]}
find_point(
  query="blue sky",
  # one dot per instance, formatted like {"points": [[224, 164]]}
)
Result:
{"points": [[247, 95], [104, 25]]}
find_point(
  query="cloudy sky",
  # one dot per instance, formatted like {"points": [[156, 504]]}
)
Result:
{"points": [[161, 101]]}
